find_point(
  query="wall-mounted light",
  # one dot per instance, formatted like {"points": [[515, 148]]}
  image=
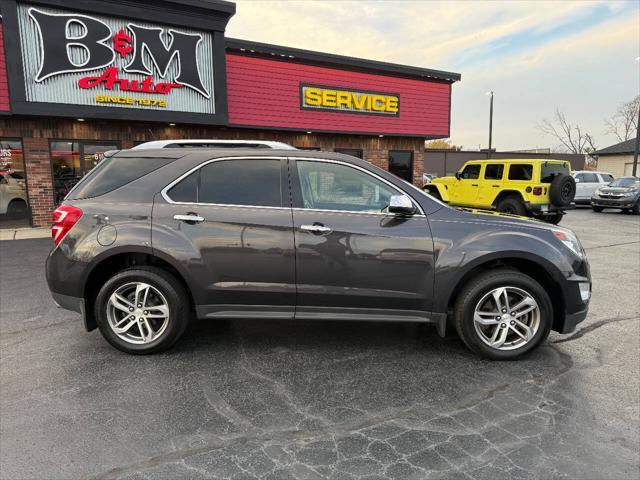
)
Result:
{"points": [[172, 124], [381, 136], [80, 119], [309, 133]]}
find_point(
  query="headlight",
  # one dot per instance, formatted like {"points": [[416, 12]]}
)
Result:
{"points": [[568, 238], [598, 191]]}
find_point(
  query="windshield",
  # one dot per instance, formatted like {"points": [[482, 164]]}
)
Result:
{"points": [[625, 182]]}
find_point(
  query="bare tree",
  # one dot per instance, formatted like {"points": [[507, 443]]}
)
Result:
{"points": [[571, 137], [624, 123]]}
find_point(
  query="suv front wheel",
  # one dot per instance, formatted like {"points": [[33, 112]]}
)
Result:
{"points": [[503, 314], [142, 310]]}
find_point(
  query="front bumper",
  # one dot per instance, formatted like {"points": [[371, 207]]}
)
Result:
{"points": [[622, 202]]}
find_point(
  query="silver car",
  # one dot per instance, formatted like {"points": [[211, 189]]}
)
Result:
{"points": [[587, 182]]}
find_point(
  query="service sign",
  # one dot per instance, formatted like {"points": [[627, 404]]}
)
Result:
{"points": [[344, 100], [95, 60]]}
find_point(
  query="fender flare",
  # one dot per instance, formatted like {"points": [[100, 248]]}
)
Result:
{"points": [[439, 189]]}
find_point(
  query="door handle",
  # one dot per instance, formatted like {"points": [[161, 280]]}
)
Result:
{"points": [[191, 218], [495, 186], [474, 184], [317, 229]]}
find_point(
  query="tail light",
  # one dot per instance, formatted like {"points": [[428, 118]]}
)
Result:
{"points": [[64, 218], [537, 190]]}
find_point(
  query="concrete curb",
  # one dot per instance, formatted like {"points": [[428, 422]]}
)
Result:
{"points": [[24, 233]]}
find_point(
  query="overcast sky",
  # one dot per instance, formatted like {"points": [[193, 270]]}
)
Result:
{"points": [[536, 56]]}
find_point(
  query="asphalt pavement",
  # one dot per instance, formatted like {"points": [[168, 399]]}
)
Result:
{"points": [[248, 399]]}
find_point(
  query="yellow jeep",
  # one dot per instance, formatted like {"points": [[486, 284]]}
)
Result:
{"points": [[537, 188]]}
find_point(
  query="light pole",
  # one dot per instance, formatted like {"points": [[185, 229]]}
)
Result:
{"points": [[635, 151], [490, 94]]}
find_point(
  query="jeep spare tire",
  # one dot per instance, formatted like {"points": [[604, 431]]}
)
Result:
{"points": [[562, 190]]}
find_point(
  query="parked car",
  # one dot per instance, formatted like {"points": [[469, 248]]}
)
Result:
{"points": [[150, 237], [587, 182], [204, 143], [623, 193], [13, 194], [536, 188]]}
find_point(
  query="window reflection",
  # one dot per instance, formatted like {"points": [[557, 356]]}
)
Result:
{"points": [[14, 202]]}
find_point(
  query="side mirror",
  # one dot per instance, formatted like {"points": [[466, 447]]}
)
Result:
{"points": [[577, 180], [458, 175], [401, 205]]}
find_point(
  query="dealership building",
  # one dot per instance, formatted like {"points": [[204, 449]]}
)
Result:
{"points": [[80, 78]]}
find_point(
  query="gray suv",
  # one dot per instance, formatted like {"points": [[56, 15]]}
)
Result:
{"points": [[152, 238]]}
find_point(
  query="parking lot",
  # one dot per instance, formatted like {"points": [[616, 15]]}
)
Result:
{"points": [[283, 399]]}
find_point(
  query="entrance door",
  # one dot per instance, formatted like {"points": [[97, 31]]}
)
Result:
{"points": [[71, 160], [353, 260]]}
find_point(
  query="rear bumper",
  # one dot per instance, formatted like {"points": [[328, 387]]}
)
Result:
{"points": [[75, 304], [571, 320], [545, 209]]}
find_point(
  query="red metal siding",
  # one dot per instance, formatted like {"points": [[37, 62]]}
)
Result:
{"points": [[4, 87], [266, 93]]}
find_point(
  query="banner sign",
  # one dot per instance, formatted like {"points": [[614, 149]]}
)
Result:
{"points": [[92, 60], [344, 100]]}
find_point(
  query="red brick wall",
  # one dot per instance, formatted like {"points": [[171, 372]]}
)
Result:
{"points": [[39, 181], [37, 133], [4, 87]]}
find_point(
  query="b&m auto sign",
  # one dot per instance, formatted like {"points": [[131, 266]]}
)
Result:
{"points": [[95, 60]]}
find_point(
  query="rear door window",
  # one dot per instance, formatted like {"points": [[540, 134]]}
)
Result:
{"points": [[606, 178], [551, 170], [115, 172], [521, 171], [493, 171], [589, 178], [241, 182]]}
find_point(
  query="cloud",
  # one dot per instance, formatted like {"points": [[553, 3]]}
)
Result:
{"points": [[535, 55]]}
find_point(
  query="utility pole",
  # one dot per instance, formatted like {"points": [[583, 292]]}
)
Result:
{"points": [[635, 153], [490, 121]]}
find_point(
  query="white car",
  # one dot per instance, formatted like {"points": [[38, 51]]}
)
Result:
{"points": [[194, 143], [13, 194], [587, 182]]}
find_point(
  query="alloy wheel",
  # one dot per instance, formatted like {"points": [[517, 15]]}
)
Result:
{"points": [[506, 318], [138, 313]]}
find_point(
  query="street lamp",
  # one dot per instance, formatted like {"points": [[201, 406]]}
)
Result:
{"points": [[637, 147], [490, 94]]}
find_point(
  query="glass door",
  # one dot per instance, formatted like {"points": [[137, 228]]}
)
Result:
{"points": [[14, 201], [71, 160]]}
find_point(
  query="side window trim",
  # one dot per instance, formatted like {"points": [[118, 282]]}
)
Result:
{"points": [[165, 190], [297, 192]]}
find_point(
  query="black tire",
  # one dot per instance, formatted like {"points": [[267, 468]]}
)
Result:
{"points": [[553, 219], [512, 205], [597, 209], [562, 190], [477, 288], [636, 208], [168, 286], [17, 209]]}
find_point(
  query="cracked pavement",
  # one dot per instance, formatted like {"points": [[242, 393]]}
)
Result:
{"points": [[281, 400]]}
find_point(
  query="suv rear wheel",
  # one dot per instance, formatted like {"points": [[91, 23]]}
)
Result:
{"points": [[503, 314], [512, 205], [142, 310]]}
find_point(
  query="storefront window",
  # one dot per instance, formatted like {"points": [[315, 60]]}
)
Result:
{"points": [[14, 202], [401, 164], [72, 160]]}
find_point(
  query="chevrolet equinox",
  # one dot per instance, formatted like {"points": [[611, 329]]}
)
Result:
{"points": [[151, 238]]}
